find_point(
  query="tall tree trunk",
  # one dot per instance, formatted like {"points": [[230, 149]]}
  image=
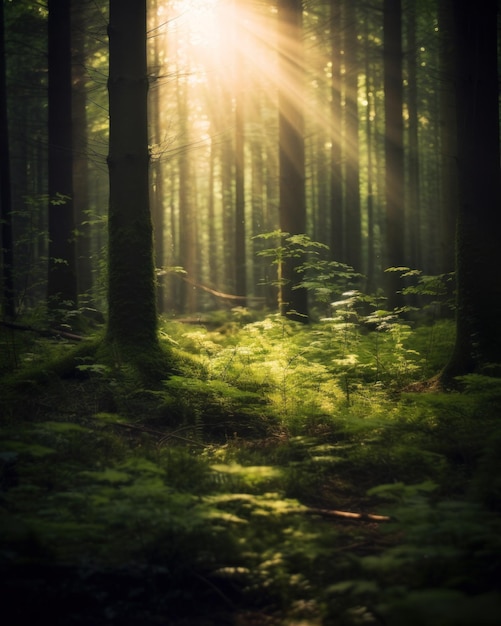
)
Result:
{"points": [[371, 222], [80, 150], [292, 204], [7, 242], [132, 315], [336, 176], [413, 208], [352, 150], [62, 277], [478, 253], [394, 149], [211, 218], [187, 213], [240, 243], [449, 198], [157, 166]]}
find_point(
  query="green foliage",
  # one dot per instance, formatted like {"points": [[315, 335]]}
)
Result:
{"points": [[192, 495]]}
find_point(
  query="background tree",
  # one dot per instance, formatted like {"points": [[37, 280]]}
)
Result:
{"points": [[62, 288], [449, 198], [291, 153], [336, 174], [353, 216], [394, 146], [7, 242], [80, 16]]}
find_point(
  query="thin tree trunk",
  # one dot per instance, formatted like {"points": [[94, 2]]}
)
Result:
{"points": [[292, 204], [414, 208], [240, 243], [352, 149], [157, 169], [7, 240], [394, 150], [449, 198], [80, 152], [336, 179]]}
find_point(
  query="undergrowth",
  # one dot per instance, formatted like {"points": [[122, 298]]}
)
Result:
{"points": [[211, 497]]}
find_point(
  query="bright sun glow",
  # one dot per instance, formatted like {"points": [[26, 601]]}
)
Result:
{"points": [[211, 36], [228, 49]]}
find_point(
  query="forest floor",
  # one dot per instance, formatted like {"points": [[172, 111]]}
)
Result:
{"points": [[258, 486]]}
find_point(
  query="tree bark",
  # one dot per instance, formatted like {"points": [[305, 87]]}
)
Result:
{"points": [[292, 203], [336, 174], [7, 241], [80, 150], [449, 198], [62, 291], [352, 150], [132, 315], [394, 149], [478, 253]]}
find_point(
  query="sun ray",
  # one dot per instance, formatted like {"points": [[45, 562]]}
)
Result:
{"points": [[225, 47]]}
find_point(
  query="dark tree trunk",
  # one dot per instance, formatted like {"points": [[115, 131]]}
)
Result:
{"points": [[336, 176], [449, 198], [80, 151], [370, 130], [62, 278], [7, 243], [478, 253], [292, 203], [394, 149], [157, 167], [132, 321], [413, 214], [352, 198]]}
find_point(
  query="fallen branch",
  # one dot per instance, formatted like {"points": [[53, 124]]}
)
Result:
{"points": [[220, 294], [347, 515]]}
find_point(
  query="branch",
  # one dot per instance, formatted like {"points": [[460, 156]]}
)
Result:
{"points": [[220, 294], [347, 515]]}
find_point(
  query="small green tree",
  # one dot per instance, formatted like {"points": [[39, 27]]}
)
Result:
{"points": [[289, 248]]}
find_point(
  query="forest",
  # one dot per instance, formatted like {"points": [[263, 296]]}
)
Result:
{"points": [[250, 313]]}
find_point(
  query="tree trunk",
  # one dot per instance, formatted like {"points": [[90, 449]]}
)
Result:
{"points": [[413, 214], [132, 316], [478, 253], [62, 278], [352, 151], [240, 230], [157, 168], [80, 151], [7, 242], [394, 150], [449, 198], [292, 203], [336, 175]]}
